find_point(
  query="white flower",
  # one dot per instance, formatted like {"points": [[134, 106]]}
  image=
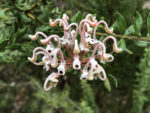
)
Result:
{"points": [[76, 63], [65, 17], [47, 63], [61, 69], [98, 71], [83, 48], [109, 56], [93, 67], [63, 41], [91, 41], [49, 48], [84, 75], [72, 54], [54, 62]]}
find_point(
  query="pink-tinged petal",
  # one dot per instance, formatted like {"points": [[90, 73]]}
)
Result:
{"points": [[115, 47], [53, 79], [47, 40], [35, 37], [106, 28]]}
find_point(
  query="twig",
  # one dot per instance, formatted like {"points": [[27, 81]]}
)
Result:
{"points": [[125, 37]]}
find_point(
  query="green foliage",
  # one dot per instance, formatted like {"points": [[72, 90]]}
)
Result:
{"points": [[138, 24], [107, 85], [148, 24], [120, 23], [141, 92]]}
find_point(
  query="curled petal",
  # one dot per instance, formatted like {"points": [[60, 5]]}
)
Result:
{"points": [[65, 17], [53, 78], [47, 40], [103, 51], [56, 21], [76, 31], [92, 18], [33, 59], [106, 28], [107, 57], [35, 37], [97, 70], [109, 30], [115, 47], [89, 29], [50, 86], [104, 75], [42, 51], [82, 32]]}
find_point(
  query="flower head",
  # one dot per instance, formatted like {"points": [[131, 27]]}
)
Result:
{"points": [[78, 50]]}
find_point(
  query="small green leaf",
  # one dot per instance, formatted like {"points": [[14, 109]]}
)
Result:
{"points": [[128, 51], [23, 6], [120, 23], [129, 30], [114, 79], [122, 44], [148, 24], [138, 24], [142, 43], [3, 43], [107, 84], [3, 16], [76, 17]]}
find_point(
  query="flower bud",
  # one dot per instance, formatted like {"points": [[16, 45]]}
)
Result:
{"points": [[76, 48], [49, 49], [109, 30], [65, 17], [33, 37], [116, 49]]}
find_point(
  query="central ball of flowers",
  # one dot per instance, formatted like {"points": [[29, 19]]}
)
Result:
{"points": [[77, 50]]}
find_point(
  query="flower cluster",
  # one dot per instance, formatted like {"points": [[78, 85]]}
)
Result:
{"points": [[77, 50]]}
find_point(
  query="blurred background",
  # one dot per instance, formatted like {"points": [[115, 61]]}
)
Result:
{"points": [[21, 82]]}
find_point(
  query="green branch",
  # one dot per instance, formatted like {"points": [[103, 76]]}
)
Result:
{"points": [[125, 37]]}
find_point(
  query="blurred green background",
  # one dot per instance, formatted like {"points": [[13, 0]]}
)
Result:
{"points": [[21, 82]]}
